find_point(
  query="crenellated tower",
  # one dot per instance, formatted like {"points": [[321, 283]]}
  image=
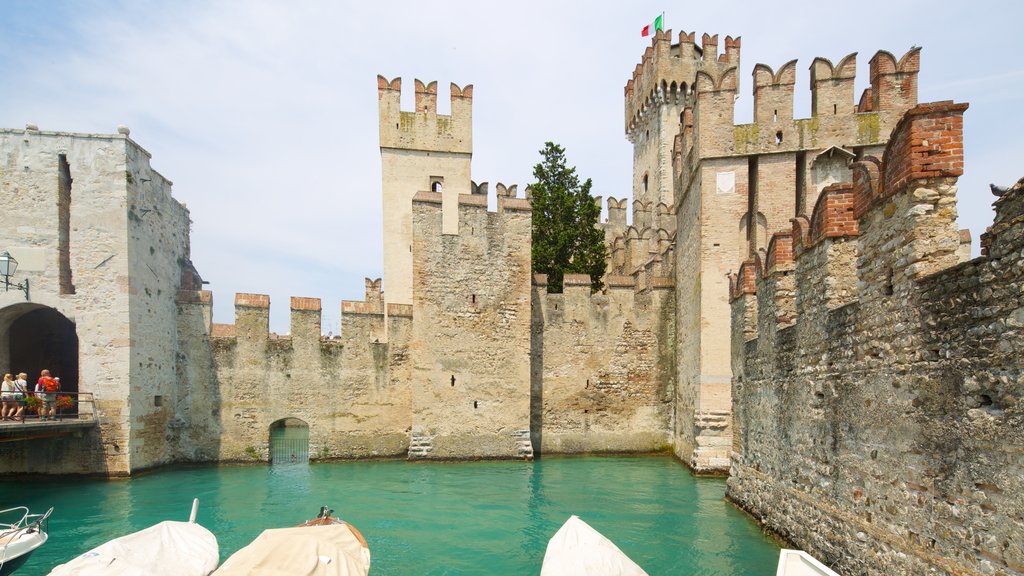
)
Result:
{"points": [[737, 185], [660, 88], [420, 151]]}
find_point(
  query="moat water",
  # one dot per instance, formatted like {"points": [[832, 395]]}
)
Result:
{"points": [[424, 518]]}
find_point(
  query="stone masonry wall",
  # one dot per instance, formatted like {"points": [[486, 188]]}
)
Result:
{"points": [[158, 249], [352, 391], [602, 364], [750, 180], [877, 409], [470, 348], [116, 323]]}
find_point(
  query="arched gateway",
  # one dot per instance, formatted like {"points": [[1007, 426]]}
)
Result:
{"points": [[289, 441], [33, 338]]}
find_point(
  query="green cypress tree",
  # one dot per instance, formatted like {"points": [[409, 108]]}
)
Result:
{"points": [[566, 239]]}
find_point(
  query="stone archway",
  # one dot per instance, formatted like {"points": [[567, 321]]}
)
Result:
{"points": [[35, 338], [289, 441]]}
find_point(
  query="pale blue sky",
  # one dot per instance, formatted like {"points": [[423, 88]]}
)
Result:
{"points": [[264, 114]]}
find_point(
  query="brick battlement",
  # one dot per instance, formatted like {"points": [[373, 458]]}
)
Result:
{"points": [[923, 156]]}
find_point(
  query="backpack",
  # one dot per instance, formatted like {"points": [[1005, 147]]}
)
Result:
{"points": [[51, 385]]}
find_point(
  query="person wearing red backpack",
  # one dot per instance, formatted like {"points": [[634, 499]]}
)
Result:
{"points": [[46, 389]]}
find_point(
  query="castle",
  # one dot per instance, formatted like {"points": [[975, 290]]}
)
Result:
{"points": [[785, 307]]}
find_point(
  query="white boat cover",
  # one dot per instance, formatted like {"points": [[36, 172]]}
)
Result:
{"points": [[800, 563], [303, 551], [579, 550], [166, 549]]}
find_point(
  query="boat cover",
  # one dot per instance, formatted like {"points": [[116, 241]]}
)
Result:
{"points": [[800, 563], [579, 550], [166, 549], [303, 551]]}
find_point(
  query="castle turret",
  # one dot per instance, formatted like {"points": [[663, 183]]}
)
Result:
{"points": [[420, 151], [661, 86]]}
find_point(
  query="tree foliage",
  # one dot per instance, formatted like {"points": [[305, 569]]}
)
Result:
{"points": [[566, 239]]}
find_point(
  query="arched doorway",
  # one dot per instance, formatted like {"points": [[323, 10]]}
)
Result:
{"points": [[289, 441], [34, 338]]}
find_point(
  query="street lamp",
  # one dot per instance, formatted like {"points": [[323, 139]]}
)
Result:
{"points": [[8, 266]]}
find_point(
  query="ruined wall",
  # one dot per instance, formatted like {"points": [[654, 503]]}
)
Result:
{"points": [[352, 390], [878, 405], [470, 348], [602, 366]]}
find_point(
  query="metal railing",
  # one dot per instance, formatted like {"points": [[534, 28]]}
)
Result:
{"points": [[74, 406]]}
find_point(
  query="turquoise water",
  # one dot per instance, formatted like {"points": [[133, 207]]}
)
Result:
{"points": [[424, 518]]}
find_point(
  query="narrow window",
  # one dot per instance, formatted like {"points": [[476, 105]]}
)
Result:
{"points": [[751, 199], [835, 109], [473, 299], [887, 288], [645, 183], [775, 116], [778, 137], [453, 380], [64, 181], [474, 404], [158, 401], [801, 182]]}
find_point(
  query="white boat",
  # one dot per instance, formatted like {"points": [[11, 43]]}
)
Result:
{"points": [[579, 550], [18, 540], [165, 549], [324, 546], [800, 563]]}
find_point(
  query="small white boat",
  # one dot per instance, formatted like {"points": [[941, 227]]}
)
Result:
{"points": [[800, 563], [165, 549], [324, 546], [18, 540], [579, 550]]}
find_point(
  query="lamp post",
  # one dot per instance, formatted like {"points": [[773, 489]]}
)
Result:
{"points": [[8, 266]]}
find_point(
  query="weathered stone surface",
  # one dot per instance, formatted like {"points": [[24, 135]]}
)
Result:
{"points": [[880, 429]]}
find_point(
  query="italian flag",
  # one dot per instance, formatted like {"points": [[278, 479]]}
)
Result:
{"points": [[653, 26]]}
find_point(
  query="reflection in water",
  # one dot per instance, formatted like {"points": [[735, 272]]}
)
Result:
{"points": [[425, 518]]}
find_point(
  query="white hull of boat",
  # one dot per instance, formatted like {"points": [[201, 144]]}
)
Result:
{"points": [[800, 563], [579, 550], [20, 539]]}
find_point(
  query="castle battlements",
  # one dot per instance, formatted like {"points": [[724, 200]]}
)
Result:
{"points": [[423, 128], [469, 204], [900, 210], [667, 71], [360, 320], [835, 118], [624, 299]]}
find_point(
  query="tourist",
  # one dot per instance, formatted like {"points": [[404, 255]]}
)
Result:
{"points": [[46, 390], [7, 399], [20, 392]]}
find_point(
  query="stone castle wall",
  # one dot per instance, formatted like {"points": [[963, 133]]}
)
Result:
{"points": [[470, 348], [102, 243], [735, 185], [878, 376], [352, 390], [602, 364]]}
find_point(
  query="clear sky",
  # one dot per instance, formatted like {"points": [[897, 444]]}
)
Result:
{"points": [[264, 114]]}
